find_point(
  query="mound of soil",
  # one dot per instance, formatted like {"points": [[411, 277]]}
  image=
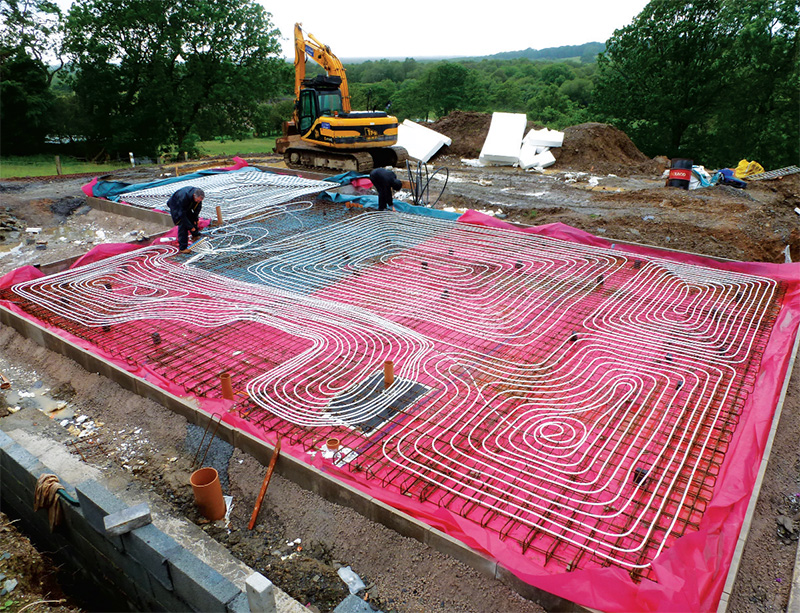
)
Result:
{"points": [[468, 130], [589, 147], [603, 149]]}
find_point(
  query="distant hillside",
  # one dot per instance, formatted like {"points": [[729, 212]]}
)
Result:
{"points": [[587, 52]]}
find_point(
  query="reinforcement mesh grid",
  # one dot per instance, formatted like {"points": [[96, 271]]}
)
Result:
{"points": [[573, 400], [238, 194]]}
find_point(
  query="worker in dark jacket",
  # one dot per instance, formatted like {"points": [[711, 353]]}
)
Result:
{"points": [[184, 206], [384, 181]]}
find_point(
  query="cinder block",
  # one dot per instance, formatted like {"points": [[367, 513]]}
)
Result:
{"points": [[240, 604], [124, 521], [5, 440], [97, 502], [101, 544], [199, 585], [260, 593], [164, 599], [151, 547], [20, 463], [124, 584]]}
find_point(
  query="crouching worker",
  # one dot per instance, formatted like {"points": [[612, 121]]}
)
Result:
{"points": [[184, 206], [384, 181]]}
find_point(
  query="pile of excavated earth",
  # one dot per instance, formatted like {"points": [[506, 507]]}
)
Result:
{"points": [[600, 183]]}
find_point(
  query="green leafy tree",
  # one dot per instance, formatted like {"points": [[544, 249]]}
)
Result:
{"points": [[657, 76], [758, 111], [372, 96], [32, 26], [28, 36], [411, 100], [551, 107], [150, 73], [578, 90], [446, 86], [25, 104], [556, 74], [713, 80]]}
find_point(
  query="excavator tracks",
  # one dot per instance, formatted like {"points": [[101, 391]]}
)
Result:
{"points": [[305, 156]]}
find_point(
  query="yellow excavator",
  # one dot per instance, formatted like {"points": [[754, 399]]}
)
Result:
{"points": [[324, 133]]}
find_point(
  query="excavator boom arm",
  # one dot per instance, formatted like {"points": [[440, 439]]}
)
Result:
{"points": [[323, 56]]}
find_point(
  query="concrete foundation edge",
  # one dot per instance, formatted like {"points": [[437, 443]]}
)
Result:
{"points": [[105, 559], [307, 477]]}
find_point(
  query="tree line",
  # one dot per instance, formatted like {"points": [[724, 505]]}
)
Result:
{"points": [[713, 80]]}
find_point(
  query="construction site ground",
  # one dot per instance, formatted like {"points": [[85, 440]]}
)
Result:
{"points": [[597, 185]]}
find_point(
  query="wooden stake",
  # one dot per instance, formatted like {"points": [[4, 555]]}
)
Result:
{"points": [[264, 485], [219, 215], [58, 164]]}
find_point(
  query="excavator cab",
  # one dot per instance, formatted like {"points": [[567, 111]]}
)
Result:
{"points": [[319, 96]]}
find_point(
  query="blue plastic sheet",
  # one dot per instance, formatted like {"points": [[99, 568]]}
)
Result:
{"points": [[371, 202]]}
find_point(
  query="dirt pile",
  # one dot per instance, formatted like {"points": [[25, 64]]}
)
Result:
{"points": [[468, 130], [591, 147], [603, 149]]}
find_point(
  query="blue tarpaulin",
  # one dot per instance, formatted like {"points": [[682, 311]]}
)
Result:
{"points": [[371, 202]]}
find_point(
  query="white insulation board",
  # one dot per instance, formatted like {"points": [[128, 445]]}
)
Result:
{"points": [[544, 138], [420, 142], [530, 157], [502, 144]]}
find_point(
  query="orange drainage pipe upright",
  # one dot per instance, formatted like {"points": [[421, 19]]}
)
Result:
{"points": [[388, 373], [208, 493], [227, 388], [264, 485], [205, 481], [219, 215]]}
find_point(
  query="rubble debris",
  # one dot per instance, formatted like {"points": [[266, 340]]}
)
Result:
{"points": [[353, 581]]}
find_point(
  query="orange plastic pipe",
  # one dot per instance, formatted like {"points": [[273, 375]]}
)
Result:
{"points": [[264, 485], [208, 493], [227, 388], [388, 373], [219, 215]]}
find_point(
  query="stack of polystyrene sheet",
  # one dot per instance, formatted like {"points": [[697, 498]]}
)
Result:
{"points": [[420, 142], [502, 144], [535, 150], [532, 156]]}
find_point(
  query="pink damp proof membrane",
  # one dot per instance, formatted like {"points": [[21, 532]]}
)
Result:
{"points": [[589, 415]]}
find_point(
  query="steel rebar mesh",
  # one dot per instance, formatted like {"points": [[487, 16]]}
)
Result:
{"points": [[574, 400]]}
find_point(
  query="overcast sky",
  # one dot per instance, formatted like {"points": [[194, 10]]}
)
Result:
{"points": [[435, 28], [417, 28]]}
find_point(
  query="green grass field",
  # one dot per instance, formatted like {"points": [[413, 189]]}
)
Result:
{"points": [[250, 146], [45, 165]]}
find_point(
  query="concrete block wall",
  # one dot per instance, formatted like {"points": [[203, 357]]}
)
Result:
{"points": [[143, 570]]}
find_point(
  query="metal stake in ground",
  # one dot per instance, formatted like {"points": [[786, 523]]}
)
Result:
{"points": [[264, 485]]}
